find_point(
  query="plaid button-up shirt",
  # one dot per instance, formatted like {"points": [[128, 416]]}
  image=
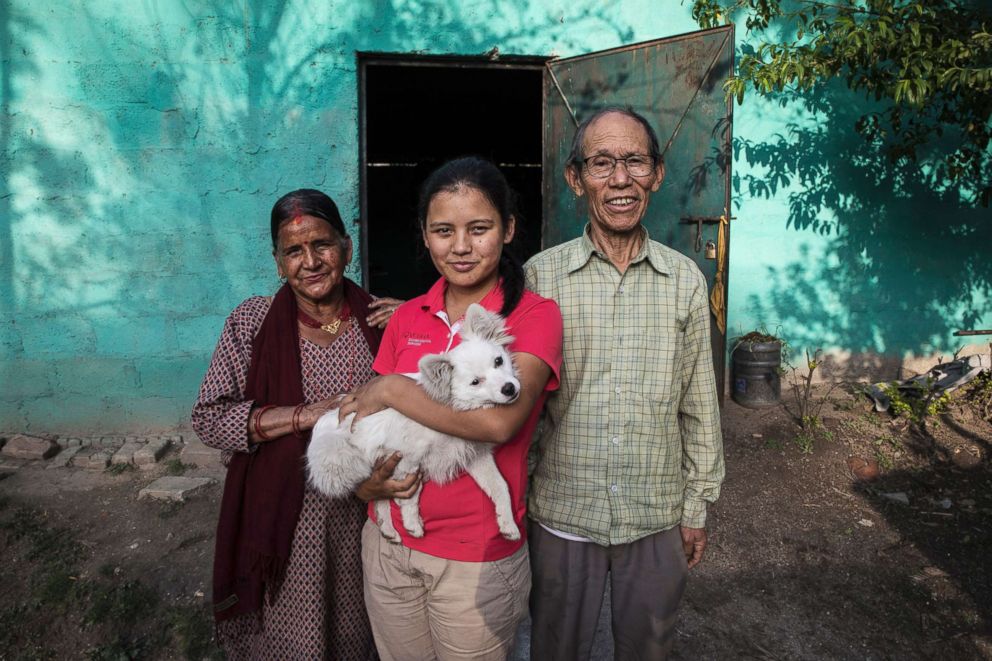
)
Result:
{"points": [[631, 444]]}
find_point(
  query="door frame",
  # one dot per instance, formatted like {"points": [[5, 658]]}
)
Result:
{"points": [[366, 59], [718, 340]]}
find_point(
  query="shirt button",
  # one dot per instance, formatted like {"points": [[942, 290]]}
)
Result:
{"points": [[613, 488], [620, 290], [616, 440], [617, 390]]}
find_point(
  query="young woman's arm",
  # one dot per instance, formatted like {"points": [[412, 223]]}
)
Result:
{"points": [[493, 425]]}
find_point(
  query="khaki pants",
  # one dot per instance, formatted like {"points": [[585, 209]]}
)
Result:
{"points": [[423, 608], [647, 579]]}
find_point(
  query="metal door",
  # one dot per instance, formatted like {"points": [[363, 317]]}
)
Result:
{"points": [[677, 84]]}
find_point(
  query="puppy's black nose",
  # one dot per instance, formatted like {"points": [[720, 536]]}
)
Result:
{"points": [[509, 389]]}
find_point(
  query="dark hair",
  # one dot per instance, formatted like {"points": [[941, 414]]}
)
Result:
{"points": [[483, 176], [306, 202], [575, 155]]}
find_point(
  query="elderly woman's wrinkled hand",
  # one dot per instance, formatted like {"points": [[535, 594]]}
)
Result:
{"points": [[382, 309], [380, 485], [312, 412]]}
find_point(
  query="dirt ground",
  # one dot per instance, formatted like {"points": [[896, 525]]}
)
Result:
{"points": [[805, 561]]}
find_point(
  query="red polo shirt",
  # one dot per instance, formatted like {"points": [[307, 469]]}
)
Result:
{"points": [[459, 519]]}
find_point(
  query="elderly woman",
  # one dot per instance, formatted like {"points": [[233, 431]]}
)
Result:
{"points": [[287, 567]]}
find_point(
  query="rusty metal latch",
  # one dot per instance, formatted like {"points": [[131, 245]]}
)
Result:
{"points": [[698, 221]]}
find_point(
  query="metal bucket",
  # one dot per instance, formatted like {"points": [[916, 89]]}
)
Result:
{"points": [[756, 380]]}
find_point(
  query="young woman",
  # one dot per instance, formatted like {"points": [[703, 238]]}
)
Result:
{"points": [[461, 589]]}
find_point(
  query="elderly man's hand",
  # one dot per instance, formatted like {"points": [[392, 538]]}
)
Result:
{"points": [[694, 544]]}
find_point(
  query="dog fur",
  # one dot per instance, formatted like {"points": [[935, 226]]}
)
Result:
{"points": [[478, 373]]}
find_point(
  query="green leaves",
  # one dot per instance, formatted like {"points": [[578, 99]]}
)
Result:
{"points": [[929, 60]]}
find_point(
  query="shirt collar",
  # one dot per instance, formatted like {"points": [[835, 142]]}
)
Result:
{"points": [[434, 298], [655, 256]]}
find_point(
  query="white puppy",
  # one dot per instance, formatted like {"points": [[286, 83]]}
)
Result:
{"points": [[478, 373]]}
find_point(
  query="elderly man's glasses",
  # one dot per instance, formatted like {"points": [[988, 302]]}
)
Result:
{"points": [[602, 165]]}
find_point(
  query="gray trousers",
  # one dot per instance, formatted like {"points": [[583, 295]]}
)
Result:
{"points": [[647, 579]]}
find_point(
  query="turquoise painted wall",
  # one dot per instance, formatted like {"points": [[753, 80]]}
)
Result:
{"points": [[143, 144]]}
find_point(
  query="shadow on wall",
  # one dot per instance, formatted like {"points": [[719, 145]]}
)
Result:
{"points": [[900, 263], [150, 147]]}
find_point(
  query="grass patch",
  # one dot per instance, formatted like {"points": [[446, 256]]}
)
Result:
{"points": [[175, 466], [110, 617], [117, 469]]}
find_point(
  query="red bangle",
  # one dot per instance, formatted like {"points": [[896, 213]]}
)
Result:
{"points": [[296, 421], [257, 423]]}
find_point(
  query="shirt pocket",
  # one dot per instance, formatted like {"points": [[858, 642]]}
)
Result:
{"points": [[659, 357]]}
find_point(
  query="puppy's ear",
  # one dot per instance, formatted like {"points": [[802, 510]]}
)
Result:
{"points": [[435, 371], [485, 325]]}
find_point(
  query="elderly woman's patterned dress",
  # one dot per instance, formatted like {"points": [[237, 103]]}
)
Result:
{"points": [[320, 610]]}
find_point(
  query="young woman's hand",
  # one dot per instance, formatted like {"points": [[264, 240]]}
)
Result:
{"points": [[368, 399], [380, 485]]}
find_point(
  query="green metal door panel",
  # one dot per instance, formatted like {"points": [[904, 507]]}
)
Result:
{"points": [[677, 84]]}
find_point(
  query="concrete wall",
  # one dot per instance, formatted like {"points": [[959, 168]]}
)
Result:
{"points": [[142, 145]]}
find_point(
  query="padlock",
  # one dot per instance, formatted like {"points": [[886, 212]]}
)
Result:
{"points": [[710, 250]]}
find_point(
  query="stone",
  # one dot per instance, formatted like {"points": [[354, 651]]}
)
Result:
{"points": [[175, 488], [149, 454], [125, 455], [896, 497], [86, 442], [196, 453], [23, 446], [111, 441], [63, 458], [99, 460], [74, 442]]}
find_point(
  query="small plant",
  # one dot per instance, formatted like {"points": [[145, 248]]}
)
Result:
{"points": [[117, 469], [918, 401], [808, 406], [980, 394], [804, 441], [176, 466]]}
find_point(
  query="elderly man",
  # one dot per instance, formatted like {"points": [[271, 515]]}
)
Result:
{"points": [[631, 449]]}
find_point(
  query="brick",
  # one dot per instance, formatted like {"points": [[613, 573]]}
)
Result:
{"points": [[25, 379], [153, 450], [170, 376], [176, 488], [98, 460], [126, 454], [79, 375], [145, 336], [62, 459], [23, 446], [196, 453], [198, 335], [57, 336]]}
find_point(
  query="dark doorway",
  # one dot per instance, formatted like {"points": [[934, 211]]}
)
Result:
{"points": [[417, 113]]}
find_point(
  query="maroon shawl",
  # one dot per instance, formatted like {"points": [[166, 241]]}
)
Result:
{"points": [[263, 492]]}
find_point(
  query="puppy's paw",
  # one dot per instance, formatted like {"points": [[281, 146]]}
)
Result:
{"points": [[416, 528], [390, 534], [509, 530]]}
